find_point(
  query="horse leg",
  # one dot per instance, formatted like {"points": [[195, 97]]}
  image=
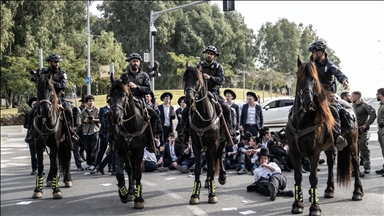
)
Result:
{"points": [[329, 191], [122, 189], [313, 192], [66, 164], [139, 201], [219, 159], [54, 170], [298, 205], [211, 160], [131, 178], [358, 192], [195, 197], [38, 192]]}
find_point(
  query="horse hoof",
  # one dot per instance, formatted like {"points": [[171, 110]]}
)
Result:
{"points": [[194, 201], [297, 210], [212, 200], [139, 205], [49, 184], [124, 200], [222, 182], [328, 194], [68, 184], [57, 195], [315, 213], [357, 197], [37, 195], [131, 197]]}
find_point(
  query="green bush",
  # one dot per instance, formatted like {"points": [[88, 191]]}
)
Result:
{"points": [[23, 108], [12, 119]]}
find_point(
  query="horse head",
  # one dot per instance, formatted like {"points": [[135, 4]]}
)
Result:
{"points": [[307, 83], [121, 100], [46, 95], [193, 83]]}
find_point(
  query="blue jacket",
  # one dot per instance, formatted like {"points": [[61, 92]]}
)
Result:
{"points": [[259, 116]]}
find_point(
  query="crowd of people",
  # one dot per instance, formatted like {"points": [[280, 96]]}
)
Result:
{"points": [[260, 152]]}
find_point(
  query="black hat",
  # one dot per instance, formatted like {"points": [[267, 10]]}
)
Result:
{"points": [[280, 136], [82, 99], [165, 94], [31, 100], [263, 152], [230, 92], [153, 100], [247, 135], [252, 94], [180, 99]]}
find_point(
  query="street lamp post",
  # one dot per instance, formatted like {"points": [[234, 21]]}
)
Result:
{"points": [[153, 31], [244, 80], [88, 53]]}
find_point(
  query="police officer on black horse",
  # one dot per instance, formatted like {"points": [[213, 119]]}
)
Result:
{"points": [[326, 70], [59, 80], [139, 83], [213, 75]]}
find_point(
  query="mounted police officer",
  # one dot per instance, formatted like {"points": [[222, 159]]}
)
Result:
{"points": [[59, 80], [139, 83], [326, 71], [213, 74]]}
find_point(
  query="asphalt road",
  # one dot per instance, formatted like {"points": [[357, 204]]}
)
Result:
{"points": [[167, 193]]}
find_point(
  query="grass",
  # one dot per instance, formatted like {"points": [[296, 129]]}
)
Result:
{"points": [[100, 99]]}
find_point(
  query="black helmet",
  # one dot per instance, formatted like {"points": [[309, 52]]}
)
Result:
{"points": [[319, 45], [212, 49], [54, 57], [134, 56]]}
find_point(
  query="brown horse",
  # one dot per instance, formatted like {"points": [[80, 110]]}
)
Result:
{"points": [[309, 131], [206, 132]]}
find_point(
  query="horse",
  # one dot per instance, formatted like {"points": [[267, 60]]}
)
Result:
{"points": [[131, 136], [206, 131], [48, 130], [309, 131]]}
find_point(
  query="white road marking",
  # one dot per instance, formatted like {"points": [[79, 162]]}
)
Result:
{"points": [[20, 157], [196, 210], [3, 153]]}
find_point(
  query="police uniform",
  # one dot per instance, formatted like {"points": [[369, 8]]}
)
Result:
{"points": [[365, 115], [380, 129]]}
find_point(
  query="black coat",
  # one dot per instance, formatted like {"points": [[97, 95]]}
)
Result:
{"points": [[179, 119], [171, 114], [166, 154]]}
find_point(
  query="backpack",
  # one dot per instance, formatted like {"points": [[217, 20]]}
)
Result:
{"points": [[347, 120]]}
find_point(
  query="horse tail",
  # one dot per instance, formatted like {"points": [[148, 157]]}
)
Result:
{"points": [[344, 166]]}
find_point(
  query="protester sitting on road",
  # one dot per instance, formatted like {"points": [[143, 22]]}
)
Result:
{"points": [[230, 156], [171, 156], [268, 178], [280, 150], [266, 139], [188, 158], [245, 152], [149, 160]]}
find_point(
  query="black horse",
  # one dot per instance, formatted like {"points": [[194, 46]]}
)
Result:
{"points": [[48, 130], [132, 135], [309, 131], [206, 132]]}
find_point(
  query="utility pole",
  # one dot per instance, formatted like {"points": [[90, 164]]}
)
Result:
{"points": [[88, 79]]}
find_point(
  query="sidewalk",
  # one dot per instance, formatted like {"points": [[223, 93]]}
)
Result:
{"points": [[13, 131]]}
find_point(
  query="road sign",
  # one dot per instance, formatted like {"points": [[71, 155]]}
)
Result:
{"points": [[87, 80], [104, 71]]}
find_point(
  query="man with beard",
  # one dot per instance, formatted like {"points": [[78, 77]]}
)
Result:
{"points": [[380, 124], [139, 83], [346, 96], [213, 74], [326, 71], [59, 81]]}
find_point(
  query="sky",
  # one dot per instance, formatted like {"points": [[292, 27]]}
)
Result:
{"points": [[353, 29]]}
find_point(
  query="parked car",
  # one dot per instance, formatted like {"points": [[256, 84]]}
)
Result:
{"points": [[276, 110]]}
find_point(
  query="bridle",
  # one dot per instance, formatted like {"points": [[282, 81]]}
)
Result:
{"points": [[123, 108]]}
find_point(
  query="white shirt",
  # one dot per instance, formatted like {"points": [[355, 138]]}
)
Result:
{"points": [[265, 172], [149, 156], [251, 118], [166, 116], [172, 152]]}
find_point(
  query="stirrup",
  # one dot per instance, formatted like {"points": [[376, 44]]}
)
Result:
{"points": [[341, 143]]}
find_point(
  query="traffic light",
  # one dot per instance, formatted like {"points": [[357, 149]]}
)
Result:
{"points": [[228, 5]]}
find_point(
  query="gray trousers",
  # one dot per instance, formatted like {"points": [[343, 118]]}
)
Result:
{"points": [[363, 140], [380, 133]]}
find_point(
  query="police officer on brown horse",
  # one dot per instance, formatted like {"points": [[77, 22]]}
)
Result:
{"points": [[326, 70], [59, 80], [139, 83], [213, 75]]}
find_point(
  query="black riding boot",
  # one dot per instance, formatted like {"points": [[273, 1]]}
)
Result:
{"points": [[29, 138], [340, 141], [228, 120], [69, 115], [182, 138]]}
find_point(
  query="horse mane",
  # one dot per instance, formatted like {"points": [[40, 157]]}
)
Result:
{"points": [[194, 70], [320, 99], [45, 82], [118, 85]]}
